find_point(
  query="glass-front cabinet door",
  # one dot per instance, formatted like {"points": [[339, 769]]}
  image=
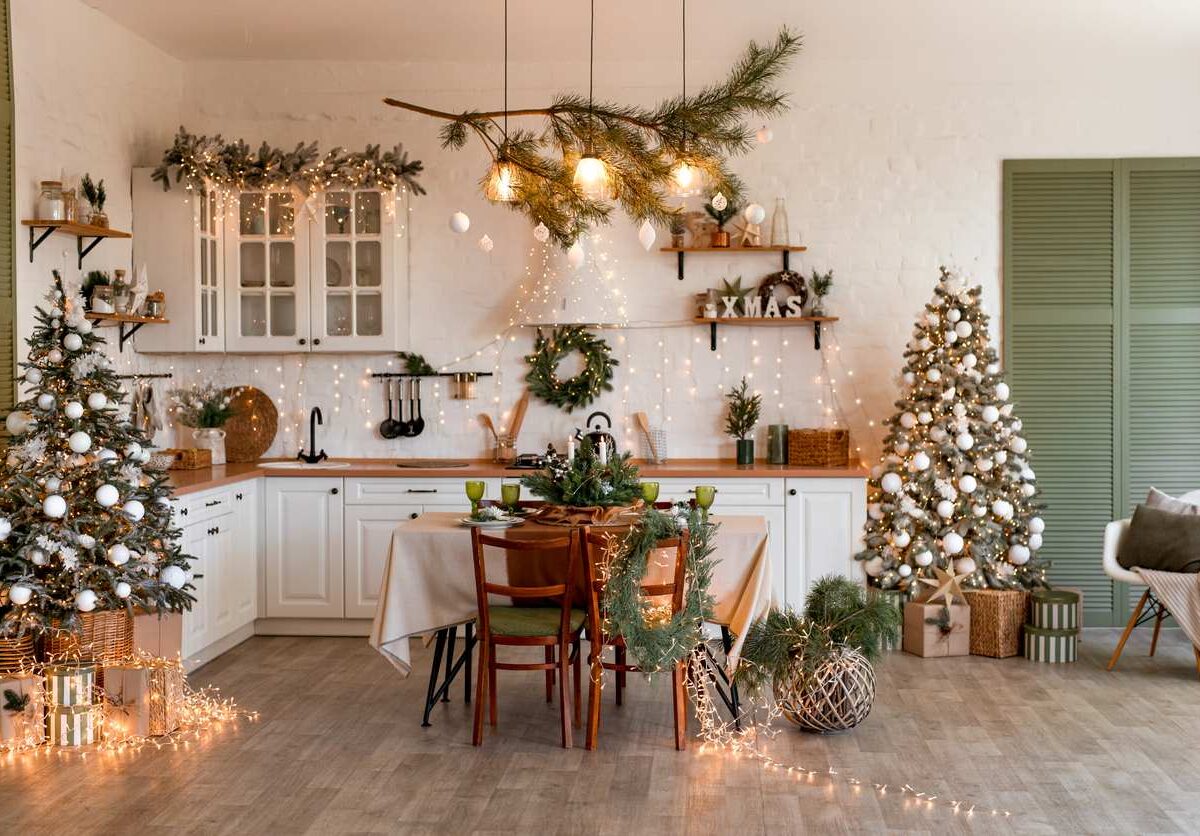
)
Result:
{"points": [[266, 258], [209, 269], [354, 272]]}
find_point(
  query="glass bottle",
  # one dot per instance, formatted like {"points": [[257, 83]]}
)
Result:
{"points": [[779, 225]]}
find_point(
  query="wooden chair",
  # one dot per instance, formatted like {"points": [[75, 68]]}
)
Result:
{"points": [[594, 544], [549, 627]]}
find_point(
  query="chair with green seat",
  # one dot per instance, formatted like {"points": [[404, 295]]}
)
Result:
{"points": [[556, 628]]}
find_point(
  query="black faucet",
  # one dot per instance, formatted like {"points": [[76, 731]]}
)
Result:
{"points": [[312, 457]]}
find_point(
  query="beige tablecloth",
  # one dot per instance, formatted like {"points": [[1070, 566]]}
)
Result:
{"points": [[429, 581]]}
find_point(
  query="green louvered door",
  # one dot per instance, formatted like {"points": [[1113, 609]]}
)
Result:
{"points": [[1102, 340], [8, 346], [1060, 347]]}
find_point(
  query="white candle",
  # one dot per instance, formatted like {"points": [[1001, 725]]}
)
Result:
{"points": [[570, 448], [603, 452]]}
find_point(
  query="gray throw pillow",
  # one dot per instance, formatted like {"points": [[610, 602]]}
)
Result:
{"points": [[1161, 540], [1166, 502]]}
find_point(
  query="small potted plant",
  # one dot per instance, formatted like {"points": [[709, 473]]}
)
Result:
{"points": [[205, 408], [721, 210], [678, 229], [819, 287], [744, 410], [818, 663], [94, 298], [95, 195]]}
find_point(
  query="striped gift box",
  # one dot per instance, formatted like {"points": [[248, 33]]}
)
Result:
{"points": [[1044, 645], [72, 725], [1054, 609], [70, 685]]}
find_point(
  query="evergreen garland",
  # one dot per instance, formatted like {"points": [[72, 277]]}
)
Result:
{"points": [[580, 390], [200, 160], [659, 647], [585, 482]]}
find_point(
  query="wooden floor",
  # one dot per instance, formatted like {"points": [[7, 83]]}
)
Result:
{"points": [[339, 749]]}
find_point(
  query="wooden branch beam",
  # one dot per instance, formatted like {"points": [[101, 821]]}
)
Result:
{"points": [[455, 117]]}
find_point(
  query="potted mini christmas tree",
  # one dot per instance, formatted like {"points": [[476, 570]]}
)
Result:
{"points": [[955, 489], [744, 410], [86, 534]]}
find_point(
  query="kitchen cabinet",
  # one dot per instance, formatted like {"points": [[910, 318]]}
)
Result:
{"points": [[195, 621], [368, 541], [303, 548], [246, 547], [179, 236], [824, 531]]}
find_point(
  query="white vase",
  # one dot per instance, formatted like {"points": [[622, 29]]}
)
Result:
{"points": [[211, 438]]}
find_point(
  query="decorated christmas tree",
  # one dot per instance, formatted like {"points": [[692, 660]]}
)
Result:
{"points": [[954, 489], [82, 527]]}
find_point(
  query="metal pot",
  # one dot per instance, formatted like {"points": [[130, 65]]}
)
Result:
{"points": [[596, 433]]}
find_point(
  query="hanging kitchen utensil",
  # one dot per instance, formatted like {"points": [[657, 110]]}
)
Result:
{"points": [[389, 427], [417, 424]]}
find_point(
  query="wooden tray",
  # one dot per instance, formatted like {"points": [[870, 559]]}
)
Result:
{"points": [[251, 430]]}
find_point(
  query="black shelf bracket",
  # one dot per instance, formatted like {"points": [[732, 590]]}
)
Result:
{"points": [[125, 332], [35, 240], [712, 336], [680, 262], [82, 250], [817, 335]]}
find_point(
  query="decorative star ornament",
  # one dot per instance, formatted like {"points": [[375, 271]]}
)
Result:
{"points": [[946, 586], [734, 289]]}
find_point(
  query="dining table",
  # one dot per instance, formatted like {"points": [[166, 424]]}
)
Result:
{"points": [[428, 589]]}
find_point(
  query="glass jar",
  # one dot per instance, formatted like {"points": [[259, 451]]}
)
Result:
{"points": [[50, 201], [102, 299], [70, 206]]}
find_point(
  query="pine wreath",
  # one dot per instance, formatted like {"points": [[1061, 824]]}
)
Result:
{"points": [[658, 646], [580, 390]]}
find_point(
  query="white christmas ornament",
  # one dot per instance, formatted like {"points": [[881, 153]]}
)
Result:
{"points": [[460, 222], [933, 318], [945, 509], [904, 569], [107, 496], [19, 594], [902, 447], [134, 510], [1002, 508], [646, 235], [33, 376], [542, 233], [764, 135], [953, 543], [1002, 390], [1018, 445], [921, 461], [909, 378], [5, 528], [901, 540], [575, 255], [933, 375], [17, 422], [73, 410], [72, 342], [925, 344], [873, 567], [133, 450], [951, 337], [118, 554], [979, 510], [964, 441], [992, 368], [1028, 490], [173, 576], [1036, 525], [970, 361], [874, 511], [79, 442], [45, 402], [984, 465], [54, 506], [84, 326], [754, 213], [123, 589], [967, 483], [937, 434], [85, 600], [1018, 555], [923, 558], [908, 420], [719, 202], [97, 400], [990, 414], [1001, 457], [54, 356], [104, 454], [891, 483], [925, 417], [485, 243], [964, 566], [954, 314], [87, 541], [38, 557], [963, 329], [1035, 541]]}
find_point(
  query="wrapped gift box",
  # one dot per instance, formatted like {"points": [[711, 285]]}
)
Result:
{"points": [[1043, 645], [1054, 609], [70, 684], [24, 726], [997, 616], [142, 699], [923, 636], [72, 725]]}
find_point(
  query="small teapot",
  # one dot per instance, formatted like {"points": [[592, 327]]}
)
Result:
{"points": [[596, 433]]}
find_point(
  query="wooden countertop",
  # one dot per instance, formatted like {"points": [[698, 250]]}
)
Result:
{"points": [[191, 481]]}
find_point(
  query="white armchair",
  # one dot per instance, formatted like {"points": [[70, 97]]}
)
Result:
{"points": [[1114, 535]]}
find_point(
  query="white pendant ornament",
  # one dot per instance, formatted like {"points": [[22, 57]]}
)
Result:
{"points": [[873, 566], [118, 554], [901, 539], [79, 442], [73, 410], [460, 222], [1035, 542], [485, 243], [541, 233], [921, 461], [945, 509], [1018, 555], [904, 570], [54, 506], [891, 483], [953, 543], [954, 314], [646, 235], [85, 600], [964, 441], [33, 376], [933, 375], [575, 255], [964, 566], [719, 202], [990, 414], [38, 557], [1002, 391], [967, 483], [17, 422], [123, 590], [45, 402], [134, 510], [19, 594], [173, 576], [54, 356], [107, 496], [764, 135], [72, 342], [923, 558], [1036, 525], [97, 400]]}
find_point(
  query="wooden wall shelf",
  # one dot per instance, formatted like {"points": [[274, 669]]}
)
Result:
{"points": [[680, 251], [127, 324], [80, 231], [775, 322]]}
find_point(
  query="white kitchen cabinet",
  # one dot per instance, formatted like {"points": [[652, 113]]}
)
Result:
{"points": [[368, 541], [304, 548], [824, 531], [179, 236], [195, 621], [244, 550]]}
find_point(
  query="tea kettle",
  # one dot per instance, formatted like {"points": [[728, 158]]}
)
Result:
{"points": [[596, 433]]}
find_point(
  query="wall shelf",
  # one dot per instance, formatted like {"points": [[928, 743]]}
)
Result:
{"points": [[80, 231], [681, 251], [783, 321], [127, 324]]}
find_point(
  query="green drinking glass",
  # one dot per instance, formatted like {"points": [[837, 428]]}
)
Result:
{"points": [[510, 495], [705, 496], [475, 490], [650, 492]]}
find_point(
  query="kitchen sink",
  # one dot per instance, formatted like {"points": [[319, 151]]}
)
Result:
{"points": [[304, 465]]}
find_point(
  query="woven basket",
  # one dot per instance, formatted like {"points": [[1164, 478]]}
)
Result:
{"points": [[819, 448], [16, 654], [997, 616], [103, 636], [191, 458], [836, 698]]}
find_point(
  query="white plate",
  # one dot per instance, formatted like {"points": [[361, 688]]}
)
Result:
{"points": [[508, 522]]}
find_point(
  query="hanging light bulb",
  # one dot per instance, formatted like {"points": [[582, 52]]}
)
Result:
{"points": [[591, 177], [686, 179], [502, 182]]}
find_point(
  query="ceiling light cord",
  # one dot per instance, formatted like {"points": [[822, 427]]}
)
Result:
{"points": [[591, 73], [506, 71]]}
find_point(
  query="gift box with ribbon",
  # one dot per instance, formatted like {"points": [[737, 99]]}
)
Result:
{"points": [[72, 725], [70, 684], [935, 629], [142, 698], [22, 710]]}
